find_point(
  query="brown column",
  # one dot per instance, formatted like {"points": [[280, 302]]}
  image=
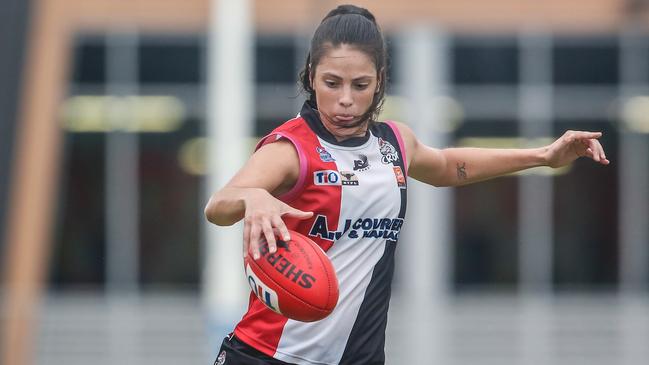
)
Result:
{"points": [[33, 181], [35, 174]]}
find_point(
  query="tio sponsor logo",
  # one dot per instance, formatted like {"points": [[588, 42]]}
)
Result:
{"points": [[326, 177], [264, 293]]}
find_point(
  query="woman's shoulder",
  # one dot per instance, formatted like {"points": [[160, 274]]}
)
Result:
{"points": [[292, 124], [394, 124], [290, 129], [400, 129]]}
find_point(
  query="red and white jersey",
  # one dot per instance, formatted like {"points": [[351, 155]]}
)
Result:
{"points": [[357, 191]]}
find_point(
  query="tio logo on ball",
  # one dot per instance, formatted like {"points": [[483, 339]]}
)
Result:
{"points": [[263, 292]]}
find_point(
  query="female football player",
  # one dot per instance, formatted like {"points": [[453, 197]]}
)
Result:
{"points": [[329, 174]]}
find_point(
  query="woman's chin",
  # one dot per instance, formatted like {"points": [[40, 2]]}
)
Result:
{"points": [[343, 125], [348, 131]]}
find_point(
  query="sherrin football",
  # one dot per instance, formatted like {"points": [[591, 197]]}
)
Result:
{"points": [[297, 281]]}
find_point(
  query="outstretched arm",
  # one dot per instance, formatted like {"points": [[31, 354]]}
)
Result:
{"points": [[460, 166], [250, 195]]}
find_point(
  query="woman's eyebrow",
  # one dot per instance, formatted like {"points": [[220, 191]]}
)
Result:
{"points": [[332, 75], [360, 78]]}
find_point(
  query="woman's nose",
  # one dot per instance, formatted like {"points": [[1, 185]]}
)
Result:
{"points": [[345, 98]]}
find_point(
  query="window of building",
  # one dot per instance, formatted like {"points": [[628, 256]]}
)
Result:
{"points": [[89, 61], [275, 60], [585, 62], [79, 251], [480, 61], [485, 252], [169, 73], [170, 209], [171, 60], [585, 216]]}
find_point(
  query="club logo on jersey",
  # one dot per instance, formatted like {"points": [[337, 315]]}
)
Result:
{"points": [[326, 177], [401, 179], [348, 178], [361, 164], [221, 359], [386, 228], [263, 292], [325, 156], [388, 151]]}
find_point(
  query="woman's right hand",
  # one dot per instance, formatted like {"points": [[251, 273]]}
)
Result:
{"points": [[263, 221], [248, 196]]}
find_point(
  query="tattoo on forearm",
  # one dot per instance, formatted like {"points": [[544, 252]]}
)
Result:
{"points": [[461, 171]]}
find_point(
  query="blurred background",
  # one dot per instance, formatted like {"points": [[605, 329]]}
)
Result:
{"points": [[119, 118]]}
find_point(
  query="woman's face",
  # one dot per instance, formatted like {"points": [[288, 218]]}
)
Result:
{"points": [[345, 82]]}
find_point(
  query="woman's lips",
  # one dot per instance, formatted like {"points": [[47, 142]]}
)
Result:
{"points": [[344, 118]]}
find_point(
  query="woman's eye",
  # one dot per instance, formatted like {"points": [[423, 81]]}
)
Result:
{"points": [[361, 86], [330, 83]]}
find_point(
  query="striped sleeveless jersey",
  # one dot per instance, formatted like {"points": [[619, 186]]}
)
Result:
{"points": [[357, 191]]}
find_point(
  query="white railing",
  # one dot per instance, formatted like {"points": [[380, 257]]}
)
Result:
{"points": [[169, 328]]}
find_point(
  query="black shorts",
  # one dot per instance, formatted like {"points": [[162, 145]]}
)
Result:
{"points": [[233, 351]]}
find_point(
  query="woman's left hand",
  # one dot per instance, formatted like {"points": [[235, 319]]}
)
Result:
{"points": [[575, 144]]}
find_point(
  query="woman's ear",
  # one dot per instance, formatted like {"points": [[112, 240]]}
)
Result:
{"points": [[311, 77], [378, 82]]}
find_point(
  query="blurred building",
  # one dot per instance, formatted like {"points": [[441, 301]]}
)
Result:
{"points": [[126, 91]]}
